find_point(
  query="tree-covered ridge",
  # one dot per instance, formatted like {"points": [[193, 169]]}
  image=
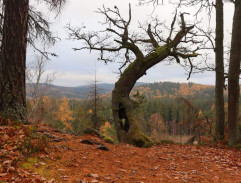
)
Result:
{"points": [[149, 90], [173, 90], [161, 105]]}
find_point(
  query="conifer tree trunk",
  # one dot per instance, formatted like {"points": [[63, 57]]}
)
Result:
{"points": [[233, 76], [219, 86], [13, 60]]}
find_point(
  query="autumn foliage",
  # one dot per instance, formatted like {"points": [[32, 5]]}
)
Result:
{"points": [[64, 113], [167, 111]]}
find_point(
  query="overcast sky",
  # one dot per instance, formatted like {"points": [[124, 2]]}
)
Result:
{"points": [[77, 68]]}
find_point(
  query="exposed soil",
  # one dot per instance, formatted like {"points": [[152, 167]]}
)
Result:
{"points": [[69, 160]]}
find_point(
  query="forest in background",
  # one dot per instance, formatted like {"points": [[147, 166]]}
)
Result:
{"points": [[166, 109]]}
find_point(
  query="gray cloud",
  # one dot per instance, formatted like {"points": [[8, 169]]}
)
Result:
{"points": [[77, 68]]}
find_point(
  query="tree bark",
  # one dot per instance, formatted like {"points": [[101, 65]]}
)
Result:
{"points": [[219, 87], [233, 76], [127, 127], [13, 60]]}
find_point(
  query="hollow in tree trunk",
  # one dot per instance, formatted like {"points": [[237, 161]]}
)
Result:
{"points": [[127, 127]]}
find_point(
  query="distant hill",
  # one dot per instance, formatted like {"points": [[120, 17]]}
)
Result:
{"points": [[79, 92], [149, 90], [172, 90]]}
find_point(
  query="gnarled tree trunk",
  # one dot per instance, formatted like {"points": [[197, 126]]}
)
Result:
{"points": [[13, 58], [127, 127]]}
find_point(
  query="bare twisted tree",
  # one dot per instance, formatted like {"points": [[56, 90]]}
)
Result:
{"points": [[140, 50]]}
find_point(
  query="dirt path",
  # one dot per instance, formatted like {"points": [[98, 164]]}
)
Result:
{"points": [[72, 161], [125, 163]]}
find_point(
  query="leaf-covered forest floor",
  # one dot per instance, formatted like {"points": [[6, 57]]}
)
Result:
{"points": [[52, 156]]}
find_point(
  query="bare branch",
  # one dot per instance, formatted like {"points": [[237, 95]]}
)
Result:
{"points": [[208, 35], [148, 46], [191, 68], [154, 2], [95, 42], [153, 40], [172, 28]]}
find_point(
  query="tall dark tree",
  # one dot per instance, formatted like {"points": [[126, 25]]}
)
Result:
{"points": [[219, 68], [233, 76], [21, 24], [140, 53], [13, 57]]}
